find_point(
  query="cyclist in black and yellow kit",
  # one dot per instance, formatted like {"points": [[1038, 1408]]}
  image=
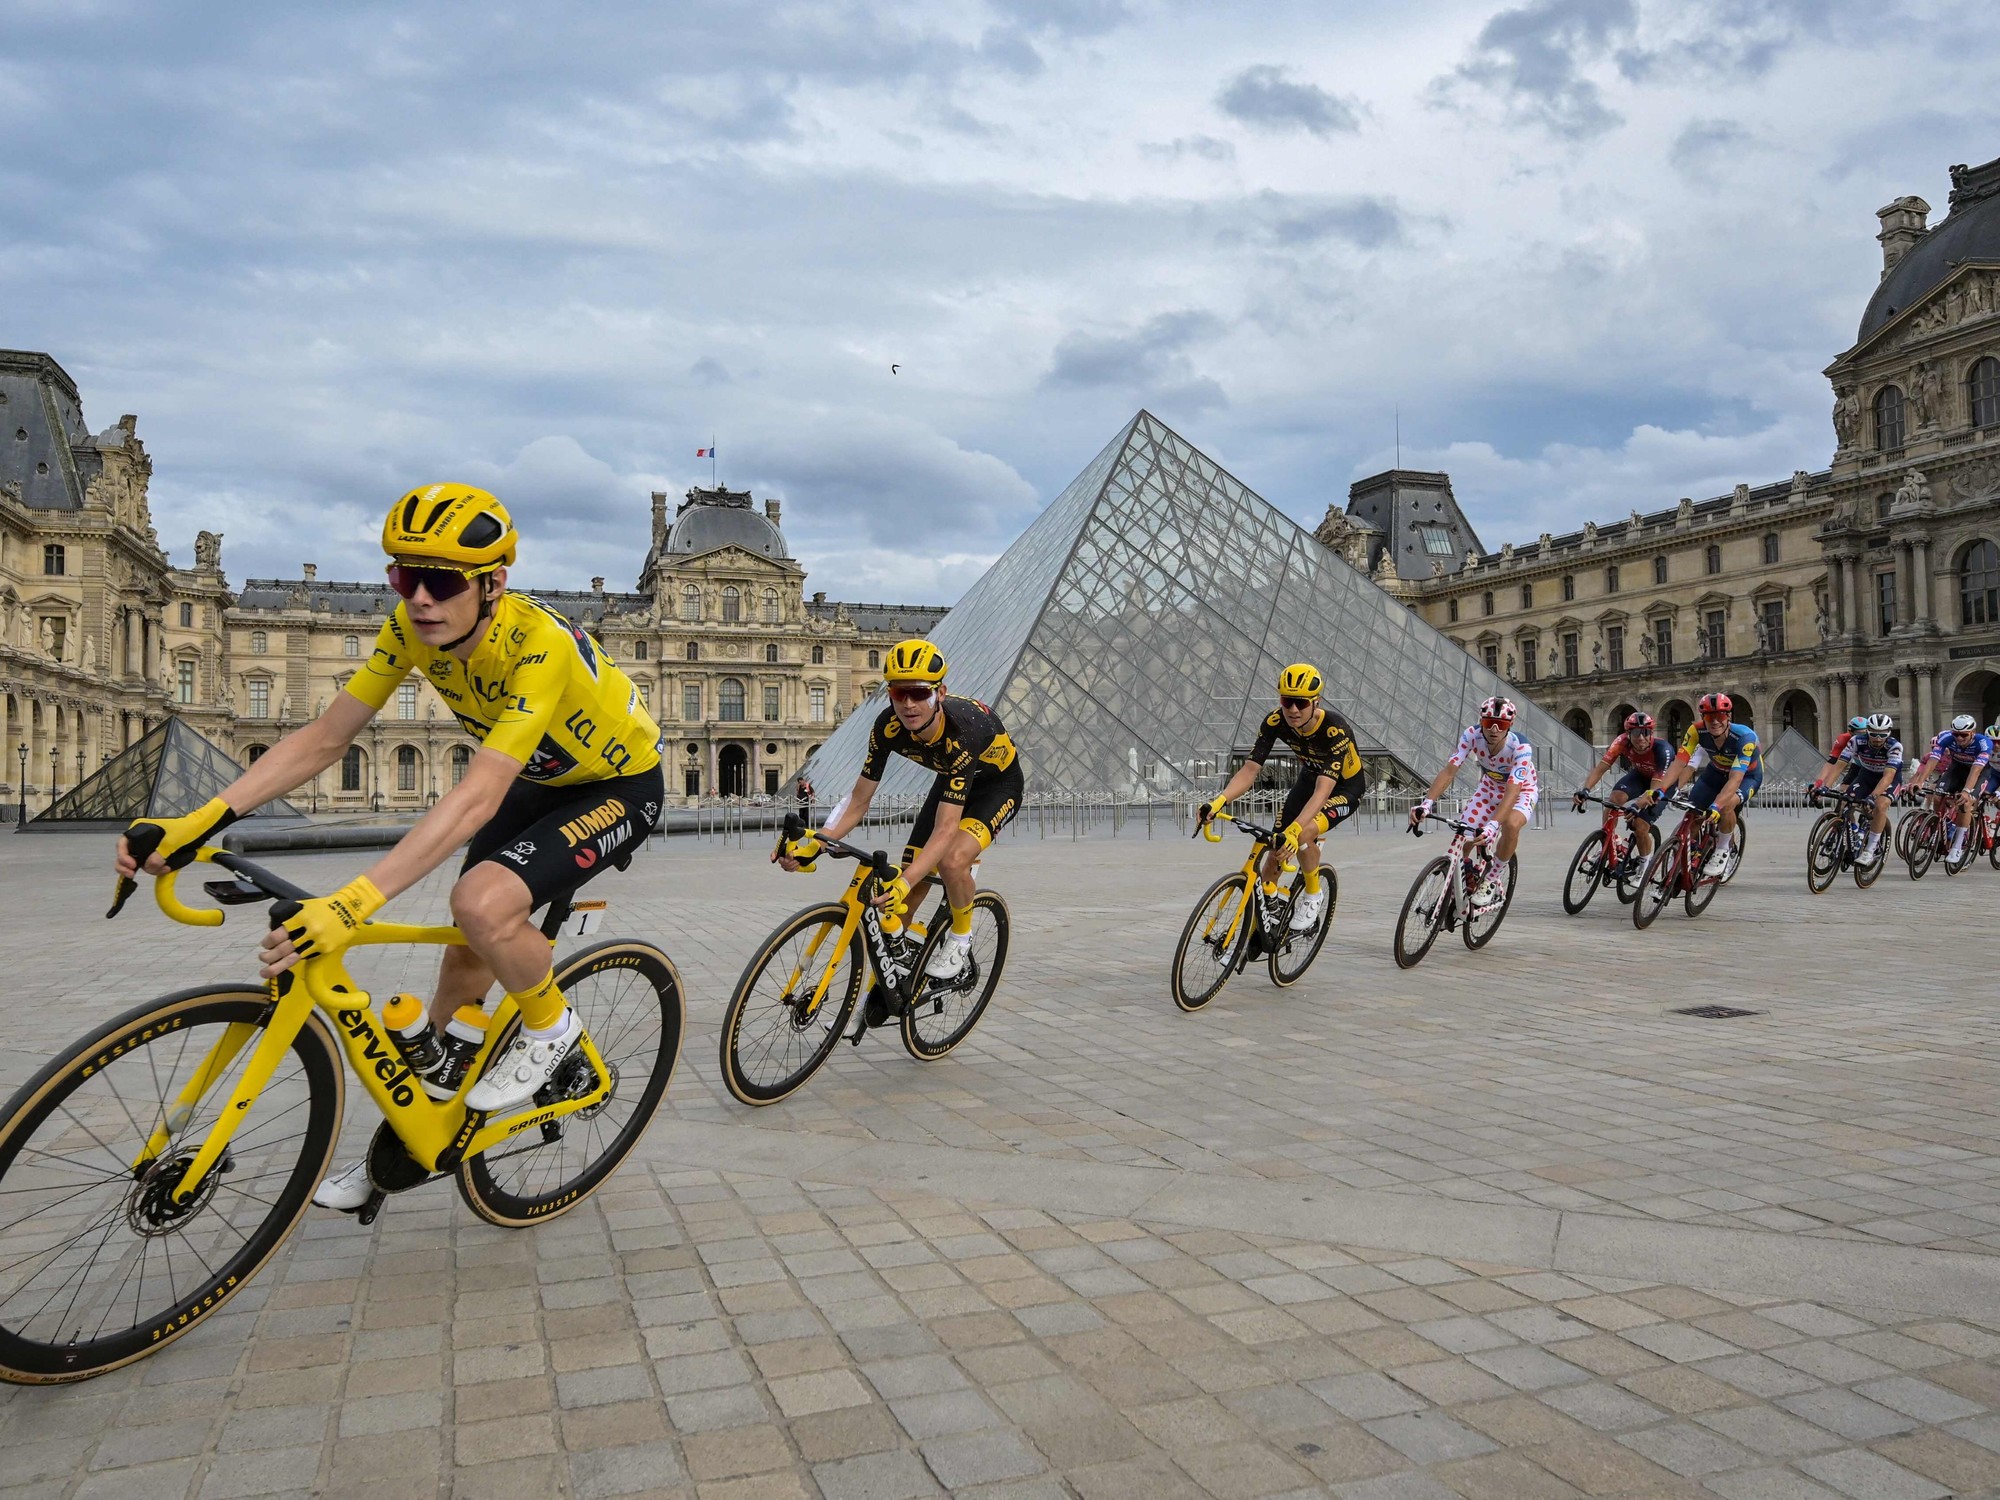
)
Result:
{"points": [[977, 792], [1328, 789], [568, 773]]}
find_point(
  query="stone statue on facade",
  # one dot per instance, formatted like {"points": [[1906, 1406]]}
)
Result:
{"points": [[1646, 649], [1597, 655], [49, 636], [1589, 533], [1763, 635], [1510, 666], [1914, 493], [208, 549], [1927, 395], [284, 707], [1684, 512], [1739, 500], [1847, 418], [1821, 621], [1552, 661]]}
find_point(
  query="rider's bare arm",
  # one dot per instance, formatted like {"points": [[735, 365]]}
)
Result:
{"points": [[453, 819], [853, 810], [286, 766]]}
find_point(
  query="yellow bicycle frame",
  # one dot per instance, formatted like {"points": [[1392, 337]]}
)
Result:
{"points": [[851, 899], [437, 1134], [1252, 881]]}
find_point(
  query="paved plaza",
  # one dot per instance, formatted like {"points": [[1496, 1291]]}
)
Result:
{"points": [[1502, 1226]]}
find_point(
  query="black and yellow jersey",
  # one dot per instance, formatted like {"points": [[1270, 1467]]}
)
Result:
{"points": [[971, 746], [1328, 747], [536, 688]]}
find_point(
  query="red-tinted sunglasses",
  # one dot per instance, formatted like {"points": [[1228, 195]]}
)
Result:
{"points": [[912, 694], [440, 583]]}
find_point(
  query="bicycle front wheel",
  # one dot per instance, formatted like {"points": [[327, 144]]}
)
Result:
{"points": [[1659, 883], [1292, 952], [1481, 925], [1215, 933], [1866, 870], [774, 1037], [1737, 849], [1825, 846], [628, 996], [1922, 848], [99, 1264], [1586, 873], [944, 1011], [1425, 911]]}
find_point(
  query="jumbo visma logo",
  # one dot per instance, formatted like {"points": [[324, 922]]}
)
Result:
{"points": [[593, 822]]}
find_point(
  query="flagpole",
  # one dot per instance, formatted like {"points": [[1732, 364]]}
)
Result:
{"points": [[711, 459]]}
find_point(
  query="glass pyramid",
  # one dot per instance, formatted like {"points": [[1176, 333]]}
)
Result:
{"points": [[1793, 759], [1131, 640], [172, 770]]}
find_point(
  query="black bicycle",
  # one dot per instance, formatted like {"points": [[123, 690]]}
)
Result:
{"points": [[1839, 841]]}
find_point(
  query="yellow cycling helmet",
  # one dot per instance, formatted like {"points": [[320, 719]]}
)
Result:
{"points": [[914, 661], [1300, 680], [453, 524]]}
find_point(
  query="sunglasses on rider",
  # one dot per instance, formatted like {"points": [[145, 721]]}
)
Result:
{"points": [[1288, 702], [440, 583], [911, 693]]}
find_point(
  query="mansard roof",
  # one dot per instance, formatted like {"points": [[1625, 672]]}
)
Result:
{"points": [[1969, 232]]}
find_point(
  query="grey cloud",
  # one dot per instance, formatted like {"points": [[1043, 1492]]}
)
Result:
{"points": [[1703, 144], [1367, 223], [707, 371], [1263, 98], [1746, 38], [1151, 360], [1533, 60], [1080, 18], [1207, 147], [1009, 48]]}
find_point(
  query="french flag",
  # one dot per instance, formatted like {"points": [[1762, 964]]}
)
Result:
{"points": [[704, 453]]}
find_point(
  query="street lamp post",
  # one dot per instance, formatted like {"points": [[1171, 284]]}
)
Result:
{"points": [[79, 765], [23, 815], [55, 772]]}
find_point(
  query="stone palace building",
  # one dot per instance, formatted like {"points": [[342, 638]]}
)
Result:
{"points": [[1871, 584], [101, 636]]}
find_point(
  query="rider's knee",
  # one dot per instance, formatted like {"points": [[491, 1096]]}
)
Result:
{"points": [[486, 908]]}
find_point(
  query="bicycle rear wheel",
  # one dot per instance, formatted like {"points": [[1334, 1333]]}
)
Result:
{"points": [[1867, 871], [1481, 925], [98, 1264], [1292, 952], [1737, 849], [1586, 873], [1425, 911], [628, 996], [1211, 942], [1659, 883], [1958, 851], [1825, 846], [944, 1012], [771, 1041], [1923, 843]]}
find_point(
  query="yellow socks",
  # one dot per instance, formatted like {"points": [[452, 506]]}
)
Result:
{"points": [[1312, 881], [541, 1004], [961, 920]]}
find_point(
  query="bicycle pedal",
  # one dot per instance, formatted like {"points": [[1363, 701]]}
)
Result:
{"points": [[367, 1212]]}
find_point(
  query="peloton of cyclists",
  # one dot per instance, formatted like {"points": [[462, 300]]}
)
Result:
{"points": [[1870, 762]]}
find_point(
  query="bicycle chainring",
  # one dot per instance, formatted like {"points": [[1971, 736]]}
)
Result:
{"points": [[390, 1165]]}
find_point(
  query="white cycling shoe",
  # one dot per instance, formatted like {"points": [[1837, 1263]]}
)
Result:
{"points": [[346, 1189], [518, 1074], [949, 958], [1305, 916], [1718, 863], [1487, 896]]}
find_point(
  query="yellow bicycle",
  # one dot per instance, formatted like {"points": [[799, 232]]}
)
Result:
{"points": [[151, 1170], [1234, 924], [792, 1004]]}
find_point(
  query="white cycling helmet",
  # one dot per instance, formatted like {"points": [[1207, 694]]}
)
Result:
{"points": [[1964, 724], [1878, 724]]}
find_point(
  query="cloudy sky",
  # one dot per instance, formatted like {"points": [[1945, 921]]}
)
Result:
{"points": [[1596, 252]]}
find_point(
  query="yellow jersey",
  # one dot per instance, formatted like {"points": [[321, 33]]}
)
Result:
{"points": [[536, 688]]}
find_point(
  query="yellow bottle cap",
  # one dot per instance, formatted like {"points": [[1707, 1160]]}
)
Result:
{"points": [[471, 1015], [401, 1011]]}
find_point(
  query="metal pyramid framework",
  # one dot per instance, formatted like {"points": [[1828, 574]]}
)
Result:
{"points": [[1793, 761], [1132, 638], [172, 770]]}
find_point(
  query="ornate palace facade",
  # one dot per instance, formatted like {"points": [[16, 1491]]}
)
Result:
{"points": [[1871, 584], [101, 637]]}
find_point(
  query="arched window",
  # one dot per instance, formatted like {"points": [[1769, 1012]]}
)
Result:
{"points": [[461, 757], [1982, 390], [254, 754], [1979, 584], [1611, 579], [1660, 569], [770, 606], [638, 651], [770, 651], [690, 603], [729, 701], [350, 769], [406, 768], [1527, 596], [1889, 418], [732, 605], [1712, 558], [1770, 548], [694, 650], [259, 643], [819, 656]]}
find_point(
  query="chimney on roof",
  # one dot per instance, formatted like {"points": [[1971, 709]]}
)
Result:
{"points": [[819, 596], [659, 518], [597, 585], [1902, 226], [129, 423], [771, 511], [311, 570]]}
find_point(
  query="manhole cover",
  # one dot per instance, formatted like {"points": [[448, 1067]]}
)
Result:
{"points": [[1715, 1012]]}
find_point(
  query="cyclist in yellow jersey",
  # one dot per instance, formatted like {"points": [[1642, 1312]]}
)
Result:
{"points": [[567, 774]]}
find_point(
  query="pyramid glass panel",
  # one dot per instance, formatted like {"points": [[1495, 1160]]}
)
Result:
{"points": [[172, 769], [1792, 759], [1132, 638]]}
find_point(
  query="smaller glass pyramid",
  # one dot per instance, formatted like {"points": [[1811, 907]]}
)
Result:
{"points": [[1792, 759], [172, 770]]}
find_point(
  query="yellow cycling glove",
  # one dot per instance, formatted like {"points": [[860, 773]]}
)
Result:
{"points": [[1288, 841], [177, 840], [326, 924], [805, 850], [898, 892]]}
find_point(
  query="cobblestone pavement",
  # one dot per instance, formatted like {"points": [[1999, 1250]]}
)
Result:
{"points": [[1437, 1237]]}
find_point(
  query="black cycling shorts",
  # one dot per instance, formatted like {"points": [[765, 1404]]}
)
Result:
{"points": [[1955, 777], [556, 838], [1861, 779], [1637, 784], [989, 806], [1339, 805]]}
